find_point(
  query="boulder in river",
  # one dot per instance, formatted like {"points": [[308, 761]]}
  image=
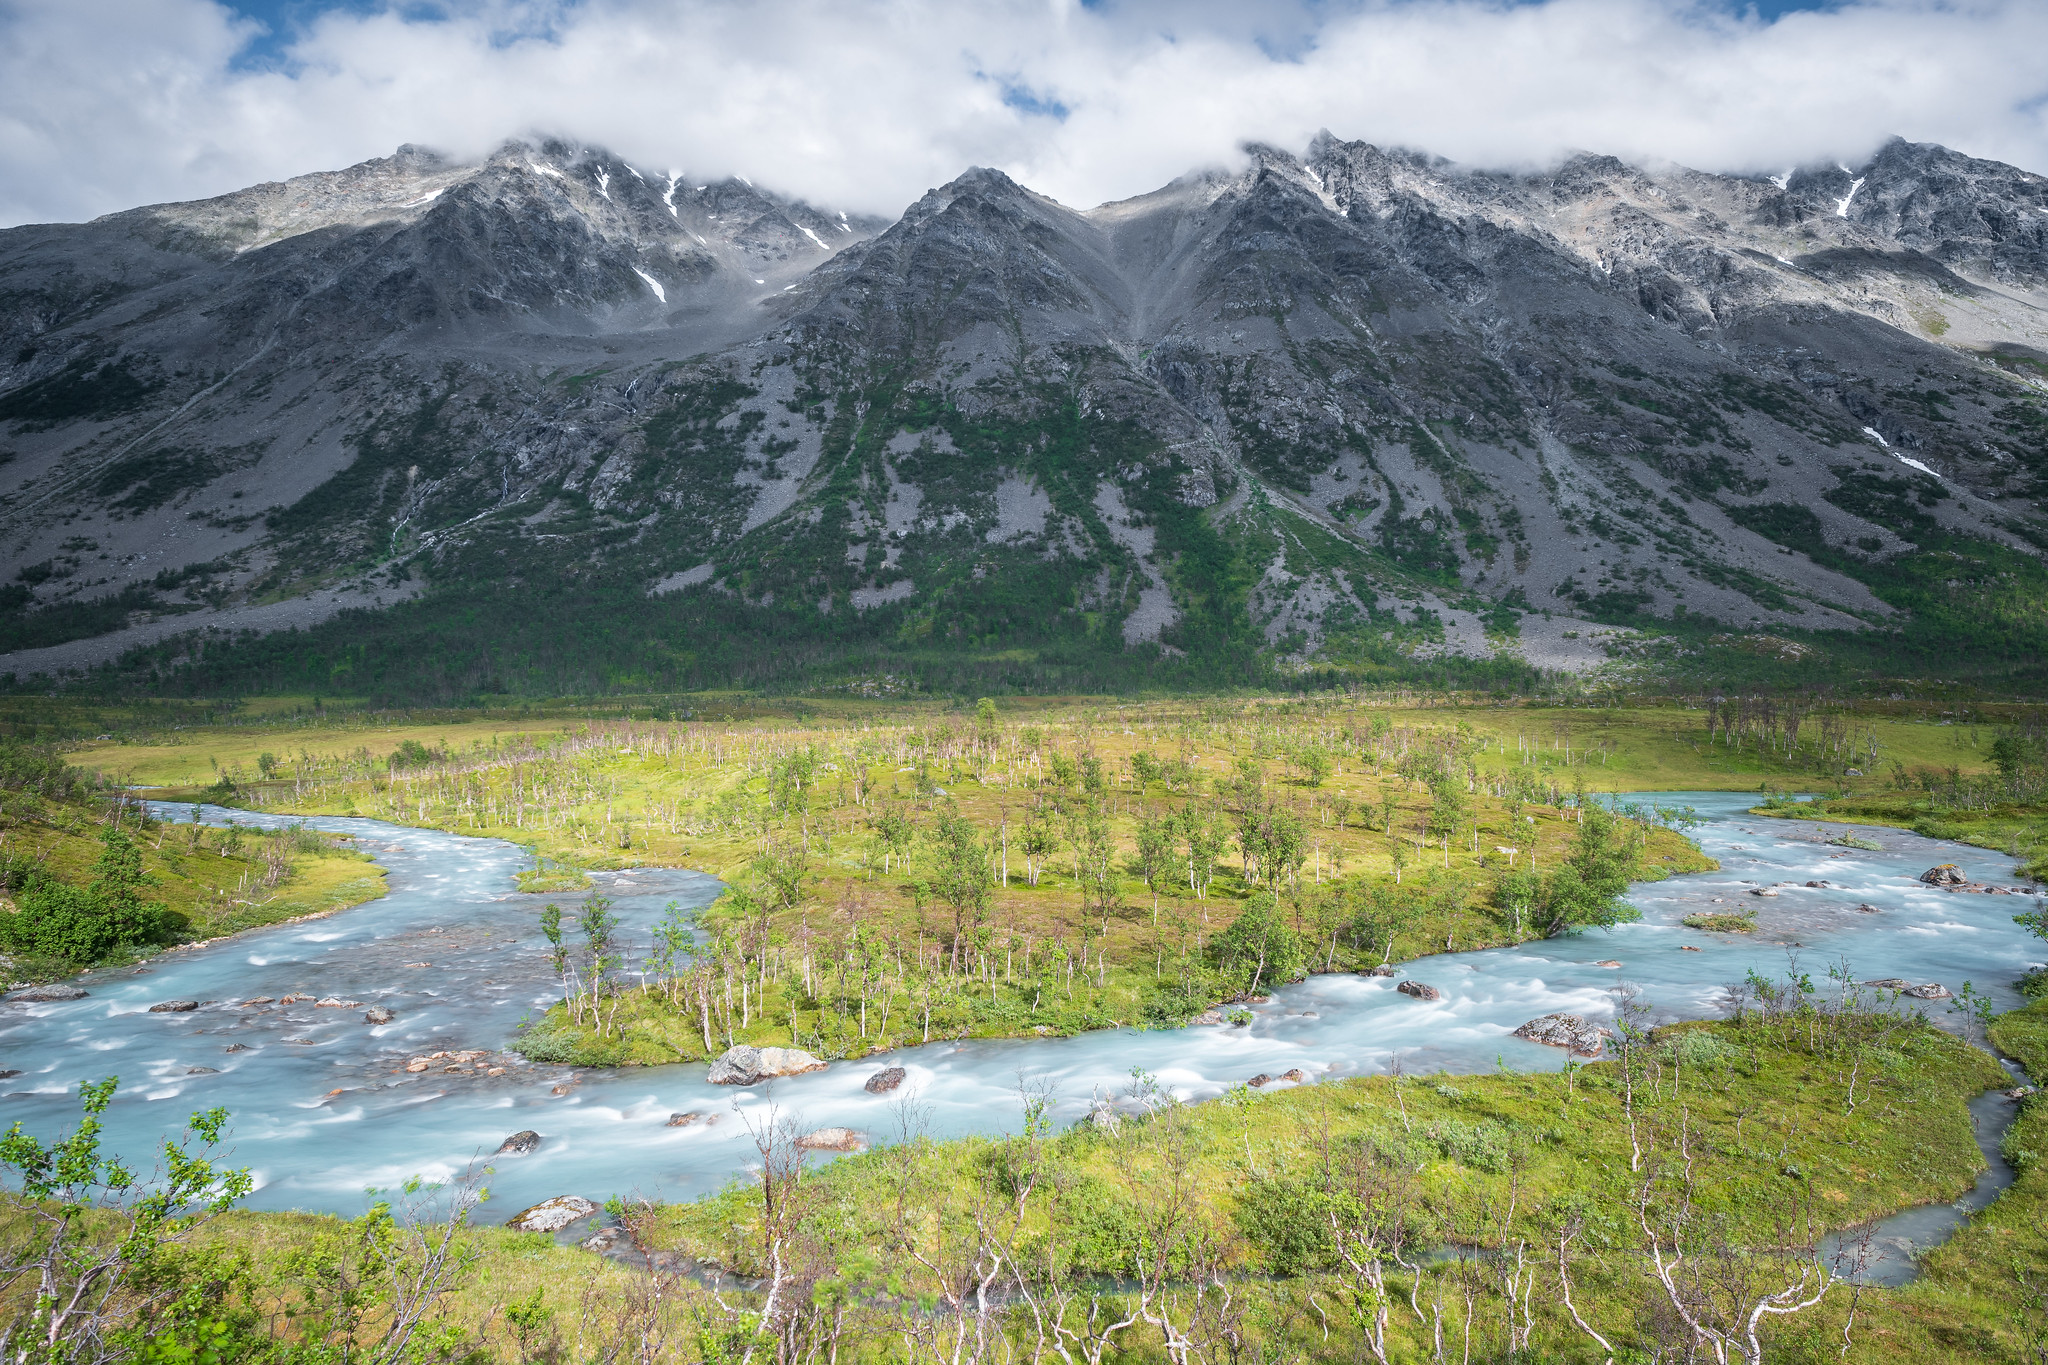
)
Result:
{"points": [[1383, 970], [1867, 908], [377, 1014], [335, 1002], [744, 1065], [236, 1047], [685, 1120], [1297, 1075], [1419, 990], [1567, 1031], [8, 1075], [1610, 964], [259, 1000], [831, 1140], [44, 995], [1933, 990], [1261, 1079], [174, 1007], [202, 1071], [882, 1082], [523, 1143], [552, 1215], [1944, 874]]}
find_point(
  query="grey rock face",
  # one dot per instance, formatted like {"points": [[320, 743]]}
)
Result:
{"points": [[1593, 389]]}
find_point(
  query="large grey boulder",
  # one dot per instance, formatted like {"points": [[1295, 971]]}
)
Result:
{"points": [[552, 1215], [1567, 1031], [744, 1065], [39, 995]]}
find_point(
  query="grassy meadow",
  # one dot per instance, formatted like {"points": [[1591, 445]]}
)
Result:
{"points": [[900, 872]]}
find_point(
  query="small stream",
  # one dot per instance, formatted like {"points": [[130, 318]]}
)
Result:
{"points": [[323, 1107]]}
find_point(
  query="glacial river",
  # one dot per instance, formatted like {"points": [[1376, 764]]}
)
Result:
{"points": [[322, 1108]]}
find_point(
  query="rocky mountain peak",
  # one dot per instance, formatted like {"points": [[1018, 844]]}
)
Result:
{"points": [[1399, 397]]}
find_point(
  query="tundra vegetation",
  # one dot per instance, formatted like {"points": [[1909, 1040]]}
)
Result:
{"points": [[972, 874], [1673, 1201], [896, 874], [88, 877]]}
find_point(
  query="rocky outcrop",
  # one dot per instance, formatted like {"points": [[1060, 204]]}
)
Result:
{"points": [[1932, 990], [744, 1065], [832, 1140], [523, 1143], [51, 994], [1419, 990], [886, 1080], [1567, 1031], [552, 1215], [447, 1061]]}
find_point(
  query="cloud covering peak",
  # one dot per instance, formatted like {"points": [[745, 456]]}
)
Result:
{"points": [[105, 104]]}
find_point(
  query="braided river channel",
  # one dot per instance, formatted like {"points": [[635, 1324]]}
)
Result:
{"points": [[323, 1108]]}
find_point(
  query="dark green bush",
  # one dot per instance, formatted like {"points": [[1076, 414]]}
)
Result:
{"points": [[78, 926]]}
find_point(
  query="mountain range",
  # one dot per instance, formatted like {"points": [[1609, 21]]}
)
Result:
{"points": [[550, 422]]}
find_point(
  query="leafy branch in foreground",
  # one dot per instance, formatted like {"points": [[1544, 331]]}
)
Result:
{"points": [[94, 1236]]}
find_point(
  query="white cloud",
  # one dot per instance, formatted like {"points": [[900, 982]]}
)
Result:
{"points": [[865, 103]]}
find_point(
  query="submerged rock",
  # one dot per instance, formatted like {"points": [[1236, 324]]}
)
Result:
{"points": [[831, 1140], [552, 1215], [523, 1143], [174, 1007], [1419, 990], [202, 1071], [43, 995], [685, 1120], [377, 1014], [744, 1065], [1567, 1031], [602, 1240], [882, 1082]]}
